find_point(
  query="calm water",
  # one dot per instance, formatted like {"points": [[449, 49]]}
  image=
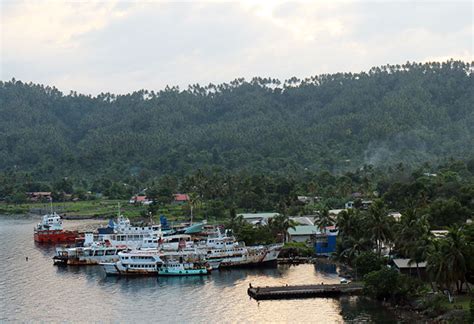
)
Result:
{"points": [[38, 291]]}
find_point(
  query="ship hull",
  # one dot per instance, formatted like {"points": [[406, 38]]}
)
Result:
{"points": [[54, 237], [190, 272], [114, 269]]}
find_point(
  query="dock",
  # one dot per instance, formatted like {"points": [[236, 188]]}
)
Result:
{"points": [[304, 291]]}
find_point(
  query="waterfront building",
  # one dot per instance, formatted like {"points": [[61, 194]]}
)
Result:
{"points": [[302, 233], [325, 242]]}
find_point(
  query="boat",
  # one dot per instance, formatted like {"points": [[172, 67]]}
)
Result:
{"points": [[93, 252], [89, 255], [181, 266], [50, 230], [225, 250], [134, 263], [157, 262], [177, 242]]}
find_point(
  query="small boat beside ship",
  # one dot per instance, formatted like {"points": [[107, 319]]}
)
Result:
{"points": [[175, 267]]}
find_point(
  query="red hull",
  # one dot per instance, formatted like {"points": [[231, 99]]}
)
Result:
{"points": [[59, 236]]}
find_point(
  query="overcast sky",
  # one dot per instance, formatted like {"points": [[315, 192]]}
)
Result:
{"points": [[121, 46]]}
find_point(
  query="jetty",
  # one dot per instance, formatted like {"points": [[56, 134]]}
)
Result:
{"points": [[304, 291]]}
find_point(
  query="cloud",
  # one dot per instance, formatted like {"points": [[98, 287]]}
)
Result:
{"points": [[121, 46]]}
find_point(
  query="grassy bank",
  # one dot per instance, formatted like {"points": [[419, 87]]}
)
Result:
{"points": [[93, 209]]}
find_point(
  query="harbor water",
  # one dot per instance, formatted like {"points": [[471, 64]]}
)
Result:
{"points": [[35, 290]]}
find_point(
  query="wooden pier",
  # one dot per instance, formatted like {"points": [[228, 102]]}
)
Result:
{"points": [[304, 291]]}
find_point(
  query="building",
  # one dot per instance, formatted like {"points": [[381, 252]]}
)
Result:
{"points": [[335, 212], [362, 204], [410, 268], [439, 233], [39, 196], [302, 233], [325, 242], [257, 218], [396, 215], [308, 199], [303, 220], [180, 198], [140, 200]]}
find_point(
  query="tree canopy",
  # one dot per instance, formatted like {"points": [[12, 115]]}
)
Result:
{"points": [[407, 113]]}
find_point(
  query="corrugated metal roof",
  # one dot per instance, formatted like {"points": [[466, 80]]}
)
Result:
{"points": [[303, 230], [404, 264], [258, 215]]}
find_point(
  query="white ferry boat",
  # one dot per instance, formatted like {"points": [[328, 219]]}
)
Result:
{"points": [[105, 246], [157, 262], [95, 252], [134, 263], [228, 252]]}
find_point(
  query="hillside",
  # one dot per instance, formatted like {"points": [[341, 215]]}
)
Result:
{"points": [[411, 113]]}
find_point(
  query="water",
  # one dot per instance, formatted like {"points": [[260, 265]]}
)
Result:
{"points": [[35, 290]]}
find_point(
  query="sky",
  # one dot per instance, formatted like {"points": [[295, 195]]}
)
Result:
{"points": [[122, 46]]}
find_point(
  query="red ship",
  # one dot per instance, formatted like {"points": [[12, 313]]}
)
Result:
{"points": [[50, 230]]}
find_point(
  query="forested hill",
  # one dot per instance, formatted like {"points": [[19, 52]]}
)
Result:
{"points": [[410, 113]]}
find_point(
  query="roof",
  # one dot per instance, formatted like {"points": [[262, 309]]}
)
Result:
{"points": [[439, 233], [404, 264], [258, 215], [303, 220], [181, 197], [40, 193], [303, 230], [140, 198]]}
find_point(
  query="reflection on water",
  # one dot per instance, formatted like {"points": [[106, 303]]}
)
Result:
{"points": [[36, 290]]}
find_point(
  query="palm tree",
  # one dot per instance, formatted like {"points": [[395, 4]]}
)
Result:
{"points": [[447, 260], [346, 222], [280, 225], [379, 225], [437, 266], [413, 237], [456, 256], [323, 219]]}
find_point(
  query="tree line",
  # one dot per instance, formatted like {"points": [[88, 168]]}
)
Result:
{"points": [[406, 113]]}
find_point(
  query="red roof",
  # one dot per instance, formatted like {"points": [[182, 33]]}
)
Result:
{"points": [[140, 198], [181, 197]]}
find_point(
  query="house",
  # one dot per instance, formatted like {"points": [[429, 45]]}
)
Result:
{"points": [[363, 204], [140, 200], [257, 218], [180, 198], [410, 268], [439, 233], [308, 199], [349, 205], [335, 212], [39, 195], [396, 215], [302, 233]]}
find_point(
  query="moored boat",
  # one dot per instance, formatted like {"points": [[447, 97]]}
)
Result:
{"points": [[50, 230], [157, 262], [228, 252], [183, 266]]}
